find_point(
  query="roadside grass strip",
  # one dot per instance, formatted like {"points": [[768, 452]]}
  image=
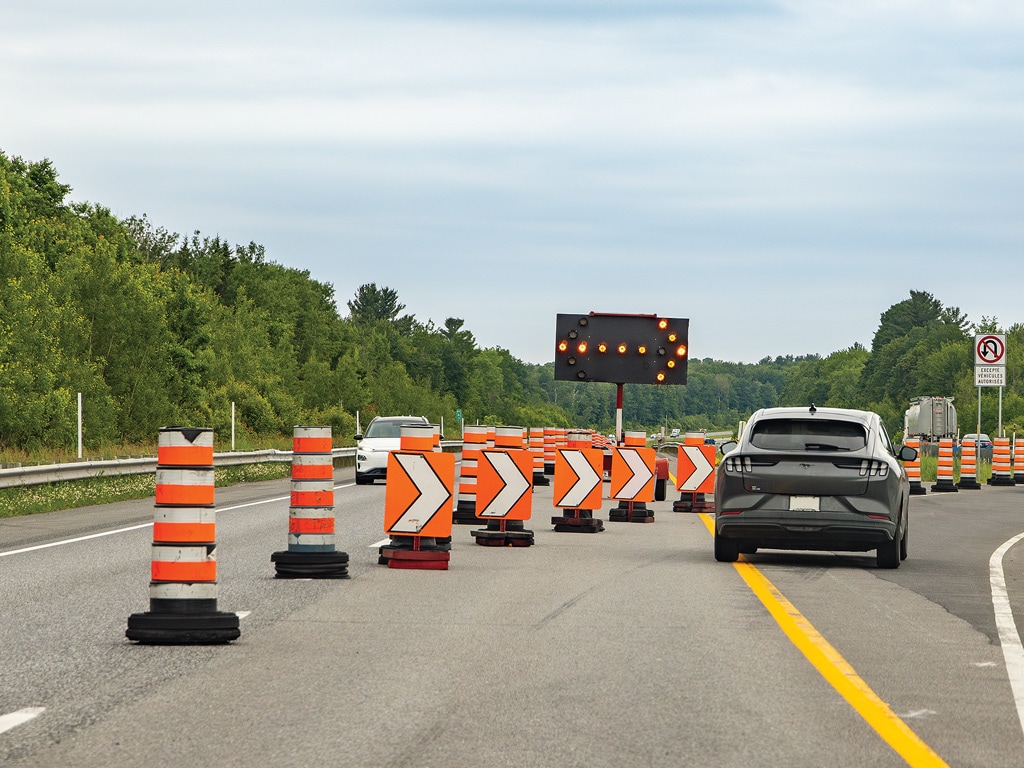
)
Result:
{"points": [[834, 668]]}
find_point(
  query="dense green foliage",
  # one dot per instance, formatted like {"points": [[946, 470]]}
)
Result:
{"points": [[156, 329]]}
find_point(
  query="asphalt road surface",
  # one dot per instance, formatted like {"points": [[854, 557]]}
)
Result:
{"points": [[631, 646]]}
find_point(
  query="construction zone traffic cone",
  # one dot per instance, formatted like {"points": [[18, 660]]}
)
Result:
{"points": [[418, 503], [914, 468], [474, 440], [1001, 462], [183, 568], [505, 491], [311, 553], [577, 488], [632, 480], [969, 465], [536, 444], [944, 468]]}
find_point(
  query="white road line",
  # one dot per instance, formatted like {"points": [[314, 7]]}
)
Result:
{"points": [[1009, 638], [77, 539], [21, 716]]}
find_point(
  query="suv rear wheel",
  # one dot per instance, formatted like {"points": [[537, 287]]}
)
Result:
{"points": [[726, 550]]}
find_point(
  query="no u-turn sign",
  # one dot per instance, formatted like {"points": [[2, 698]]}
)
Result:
{"points": [[990, 360], [990, 349]]}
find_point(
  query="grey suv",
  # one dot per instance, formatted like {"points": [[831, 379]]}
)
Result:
{"points": [[813, 478]]}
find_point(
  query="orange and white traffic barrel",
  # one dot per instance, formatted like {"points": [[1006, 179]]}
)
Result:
{"points": [[311, 552], [474, 440], [550, 444], [692, 501], [535, 440], [502, 532], [1001, 462], [1018, 460], [969, 465], [632, 511], [183, 556], [944, 467], [423, 551], [914, 468]]}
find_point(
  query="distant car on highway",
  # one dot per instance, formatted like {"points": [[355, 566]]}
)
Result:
{"points": [[980, 441], [816, 479], [383, 435]]}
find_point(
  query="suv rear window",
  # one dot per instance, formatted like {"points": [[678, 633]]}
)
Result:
{"points": [[808, 435]]}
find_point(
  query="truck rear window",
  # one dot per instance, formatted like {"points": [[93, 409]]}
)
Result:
{"points": [[808, 435]]}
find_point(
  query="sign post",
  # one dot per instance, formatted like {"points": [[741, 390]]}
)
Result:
{"points": [[990, 369]]}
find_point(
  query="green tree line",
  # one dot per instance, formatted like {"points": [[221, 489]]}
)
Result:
{"points": [[158, 329]]}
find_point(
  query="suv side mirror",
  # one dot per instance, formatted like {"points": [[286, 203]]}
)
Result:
{"points": [[728, 446], [358, 438], [907, 453]]}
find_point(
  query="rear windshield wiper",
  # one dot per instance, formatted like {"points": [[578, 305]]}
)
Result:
{"points": [[822, 447]]}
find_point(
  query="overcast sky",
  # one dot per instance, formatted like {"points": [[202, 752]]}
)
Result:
{"points": [[781, 173]]}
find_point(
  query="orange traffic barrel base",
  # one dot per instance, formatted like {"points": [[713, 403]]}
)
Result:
{"points": [[539, 478], [310, 565], [465, 513], [916, 489], [635, 512], [409, 544], [424, 559], [153, 628], [693, 502], [582, 521], [491, 537], [969, 483], [1000, 480], [944, 485]]}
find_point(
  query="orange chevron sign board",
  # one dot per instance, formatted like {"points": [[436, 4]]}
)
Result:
{"points": [[578, 476], [695, 469], [632, 474], [504, 489], [419, 493]]}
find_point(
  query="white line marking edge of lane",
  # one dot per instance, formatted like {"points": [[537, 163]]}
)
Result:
{"points": [[1009, 637], [20, 717]]}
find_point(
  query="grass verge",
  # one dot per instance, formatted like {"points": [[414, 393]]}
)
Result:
{"points": [[71, 494]]}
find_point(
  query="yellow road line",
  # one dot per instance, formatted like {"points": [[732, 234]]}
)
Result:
{"points": [[834, 668]]}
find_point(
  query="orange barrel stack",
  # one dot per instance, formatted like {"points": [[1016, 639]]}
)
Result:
{"points": [[183, 569], [944, 468], [572, 481], [311, 553], [914, 468], [633, 511], [474, 440], [969, 465], [508, 529], [1000, 462], [691, 501], [423, 543], [550, 444], [1018, 460], [536, 443]]}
